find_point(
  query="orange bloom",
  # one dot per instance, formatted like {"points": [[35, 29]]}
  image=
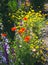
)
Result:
{"points": [[25, 18], [3, 34], [21, 30], [27, 38], [13, 28]]}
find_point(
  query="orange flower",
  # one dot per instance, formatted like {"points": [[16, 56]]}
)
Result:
{"points": [[13, 28], [25, 18], [21, 30], [3, 34], [27, 38]]}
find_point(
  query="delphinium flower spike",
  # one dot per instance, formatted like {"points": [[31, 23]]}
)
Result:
{"points": [[6, 49]]}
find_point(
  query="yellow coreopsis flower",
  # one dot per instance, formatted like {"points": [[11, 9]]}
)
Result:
{"points": [[40, 15], [43, 58], [27, 16], [37, 47], [32, 10], [47, 23], [41, 51], [12, 16], [33, 34]]}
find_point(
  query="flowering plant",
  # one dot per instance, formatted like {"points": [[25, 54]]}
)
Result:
{"points": [[28, 46]]}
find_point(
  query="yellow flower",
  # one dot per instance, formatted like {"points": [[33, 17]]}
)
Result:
{"points": [[40, 15], [40, 11], [36, 37], [37, 13], [31, 46], [12, 16], [47, 49], [42, 40], [22, 15], [30, 20], [41, 51], [33, 34], [45, 14], [32, 10], [27, 16], [43, 58], [29, 12], [32, 25], [47, 23], [37, 47]]}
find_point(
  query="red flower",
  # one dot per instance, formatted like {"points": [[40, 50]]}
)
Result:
{"points": [[27, 38], [25, 18], [13, 28], [21, 30], [3, 34]]}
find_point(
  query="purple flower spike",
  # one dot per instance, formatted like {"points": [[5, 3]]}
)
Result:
{"points": [[6, 49]]}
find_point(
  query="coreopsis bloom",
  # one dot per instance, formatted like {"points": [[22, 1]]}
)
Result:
{"points": [[13, 29], [25, 18], [21, 30], [27, 39], [13, 16], [47, 23], [3, 34]]}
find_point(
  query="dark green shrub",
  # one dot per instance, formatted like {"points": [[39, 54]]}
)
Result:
{"points": [[37, 4]]}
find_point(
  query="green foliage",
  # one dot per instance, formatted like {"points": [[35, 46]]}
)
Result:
{"points": [[12, 5]]}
